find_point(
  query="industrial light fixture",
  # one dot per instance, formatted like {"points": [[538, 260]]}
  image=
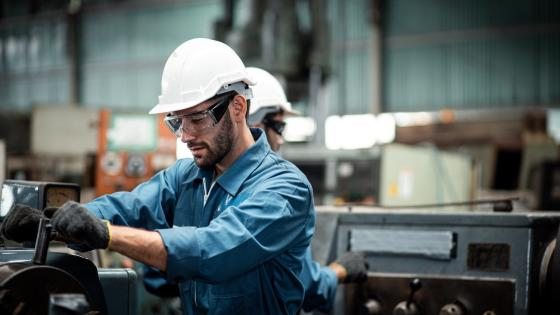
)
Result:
{"points": [[358, 131]]}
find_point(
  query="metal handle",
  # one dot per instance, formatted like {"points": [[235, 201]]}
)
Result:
{"points": [[42, 242]]}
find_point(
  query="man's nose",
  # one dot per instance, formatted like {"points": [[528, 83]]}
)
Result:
{"points": [[186, 136]]}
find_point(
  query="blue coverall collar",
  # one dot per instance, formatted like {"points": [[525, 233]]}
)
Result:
{"points": [[232, 179]]}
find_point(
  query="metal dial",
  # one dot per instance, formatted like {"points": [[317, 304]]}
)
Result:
{"points": [[57, 196]]}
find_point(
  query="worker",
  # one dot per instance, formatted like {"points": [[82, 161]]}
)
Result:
{"points": [[269, 107], [232, 225]]}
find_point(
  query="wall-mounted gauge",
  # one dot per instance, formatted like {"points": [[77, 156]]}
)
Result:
{"points": [[136, 165]]}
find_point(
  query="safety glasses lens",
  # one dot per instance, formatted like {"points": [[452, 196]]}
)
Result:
{"points": [[277, 126], [174, 124], [200, 122]]}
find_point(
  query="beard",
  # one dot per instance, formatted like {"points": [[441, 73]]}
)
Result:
{"points": [[219, 147]]}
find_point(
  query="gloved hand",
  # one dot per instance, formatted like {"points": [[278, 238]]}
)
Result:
{"points": [[21, 224], [76, 224], [355, 265]]}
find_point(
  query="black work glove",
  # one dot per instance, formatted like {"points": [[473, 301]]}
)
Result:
{"points": [[356, 266], [76, 224], [21, 224]]}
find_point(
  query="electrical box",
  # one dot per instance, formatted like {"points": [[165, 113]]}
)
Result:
{"points": [[417, 175], [132, 147]]}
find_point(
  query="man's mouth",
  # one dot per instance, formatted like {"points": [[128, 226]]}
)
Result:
{"points": [[196, 149]]}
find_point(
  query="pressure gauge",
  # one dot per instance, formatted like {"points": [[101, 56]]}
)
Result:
{"points": [[38, 195], [56, 196]]}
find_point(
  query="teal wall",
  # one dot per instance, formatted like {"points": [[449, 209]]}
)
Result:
{"points": [[33, 63], [351, 34], [436, 53], [471, 54], [122, 53]]}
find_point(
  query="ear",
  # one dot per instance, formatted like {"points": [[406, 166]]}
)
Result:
{"points": [[238, 108]]}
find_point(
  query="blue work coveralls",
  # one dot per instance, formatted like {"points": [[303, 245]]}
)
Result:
{"points": [[234, 246], [320, 284]]}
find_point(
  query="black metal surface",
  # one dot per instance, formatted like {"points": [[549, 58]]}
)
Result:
{"points": [[80, 268], [550, 274], [28, 287], [378, 216], [477, 295]]}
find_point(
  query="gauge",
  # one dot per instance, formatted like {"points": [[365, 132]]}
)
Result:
{"points": [[136, 165], [111, 163], [38, 195], [7, 200], [56, 196]]}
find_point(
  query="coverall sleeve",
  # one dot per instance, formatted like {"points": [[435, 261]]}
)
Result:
{"points": [[320, 285], [155, 282], [270, 219], [150, 205]]}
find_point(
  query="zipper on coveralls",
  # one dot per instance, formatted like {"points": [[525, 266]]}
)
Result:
{"points": [[206, 195]]}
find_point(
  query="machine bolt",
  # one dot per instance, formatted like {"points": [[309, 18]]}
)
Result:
{"points": [[452, 309], [372, 307]]}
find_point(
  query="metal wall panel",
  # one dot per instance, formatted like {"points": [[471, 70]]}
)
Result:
{"points": [[124, 51], [470, 54], [351, 58], [33, 62], [457, 54]]}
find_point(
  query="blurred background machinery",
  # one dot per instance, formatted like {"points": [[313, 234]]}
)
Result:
{"points": [[476, 78]]}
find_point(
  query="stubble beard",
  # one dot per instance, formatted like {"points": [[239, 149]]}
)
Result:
{"points": [[219, 147]]}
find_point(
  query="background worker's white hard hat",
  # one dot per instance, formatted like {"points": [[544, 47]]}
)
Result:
{"points": [[198, 70], [268, 96]]}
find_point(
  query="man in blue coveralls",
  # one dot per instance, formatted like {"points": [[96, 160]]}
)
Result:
{"points": [[268, 109], [232, 225]]}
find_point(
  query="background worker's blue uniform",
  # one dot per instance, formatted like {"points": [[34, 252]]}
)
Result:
{"points": [[235, 246], [320, 284]]}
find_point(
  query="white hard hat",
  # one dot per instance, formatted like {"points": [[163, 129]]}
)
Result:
{"points": [[268, 96], [198, 70]]}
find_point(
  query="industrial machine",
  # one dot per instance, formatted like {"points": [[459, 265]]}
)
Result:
{"points": [[39, 281], [450, 262]]}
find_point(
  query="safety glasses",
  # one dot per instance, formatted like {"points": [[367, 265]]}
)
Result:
{"points": [[201, 122], [276, 126]]}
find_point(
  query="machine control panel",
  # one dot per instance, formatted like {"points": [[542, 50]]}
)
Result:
{"points": [[405, 294], [448, 262]]}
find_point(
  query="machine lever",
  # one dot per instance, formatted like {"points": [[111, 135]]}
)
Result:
{"points": [[414, 286], [42, 243], [409, 307]]}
